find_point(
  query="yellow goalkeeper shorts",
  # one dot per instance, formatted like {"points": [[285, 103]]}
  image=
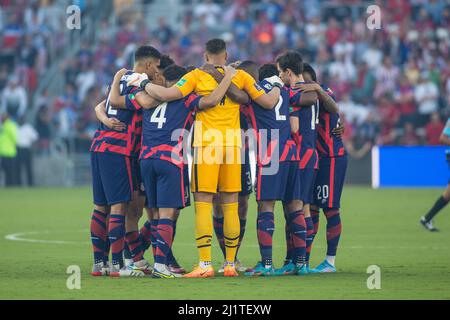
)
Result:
{"points": [[216, 168]]}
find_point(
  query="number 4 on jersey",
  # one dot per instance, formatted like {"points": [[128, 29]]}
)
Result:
{"points": [[159, 114]]}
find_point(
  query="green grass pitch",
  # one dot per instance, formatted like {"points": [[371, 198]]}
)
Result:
{"points": [[380, 227]]}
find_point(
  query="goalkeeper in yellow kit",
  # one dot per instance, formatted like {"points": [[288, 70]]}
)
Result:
{"points": [[217, 143]]}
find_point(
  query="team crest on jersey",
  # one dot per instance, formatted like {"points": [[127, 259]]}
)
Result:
{"points": [[181, 82], [258, 87]]}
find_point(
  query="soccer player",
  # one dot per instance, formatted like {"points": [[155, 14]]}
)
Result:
{"points": [[246, 176], [148, 231], [165, 126], [115, 177], [278, 177], [332, 167], [442, 201], [303, 125], [217, 142]]}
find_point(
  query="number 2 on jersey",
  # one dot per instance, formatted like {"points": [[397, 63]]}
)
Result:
{"points": [[278, 116], [159, 114]]}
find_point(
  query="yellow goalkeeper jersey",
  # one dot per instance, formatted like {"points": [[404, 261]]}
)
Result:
{"points": [[217, 126]]}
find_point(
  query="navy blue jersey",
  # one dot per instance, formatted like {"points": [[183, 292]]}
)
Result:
{"points": [[328, 145], [166, 126], [306, 136], [128, 141], [264, 120], [244, 118]]}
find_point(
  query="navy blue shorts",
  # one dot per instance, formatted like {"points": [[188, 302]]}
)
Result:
{"points": [[164, 184], [114, 178], [330, 182], [307, 178], [246, 176], [138, 184], [283, 186], [187, 186]]}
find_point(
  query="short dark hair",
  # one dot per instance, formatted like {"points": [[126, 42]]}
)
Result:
{"points": [[144, 52], [251, 67], [215, 46], [291, 60], [309, 69], [267, 70], [247, 64], [174, 72], [165, 61], [189, 68]]}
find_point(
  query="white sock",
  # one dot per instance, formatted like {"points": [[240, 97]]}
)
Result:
{"points": [[128, 262], [204, 264], [140, 263], [160, 267], [230, 263], [330, 260]]}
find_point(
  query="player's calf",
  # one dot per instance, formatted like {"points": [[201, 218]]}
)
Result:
{"points": [[99, 234], [116, 234]]}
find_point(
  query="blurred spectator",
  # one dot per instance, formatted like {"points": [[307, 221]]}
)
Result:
{"points": [[354, 113], [426, 94], [404, 97], [210, 11], [8, 149], [242, 27], [164, 33], [263, 31], [26, 137], [389, 115], [434, 129], [14, 99], [43, 128], [64, 115], [387, 76], [409, 136], [315, 33], [364, 84]]}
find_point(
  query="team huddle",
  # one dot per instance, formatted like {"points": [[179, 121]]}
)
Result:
{"points": [[160, 115]]}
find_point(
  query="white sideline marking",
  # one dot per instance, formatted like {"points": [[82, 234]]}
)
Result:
{"points": [[22, 236]]}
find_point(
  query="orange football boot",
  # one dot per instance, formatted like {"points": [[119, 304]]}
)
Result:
{"points": [[230, 271], [200, 272]]}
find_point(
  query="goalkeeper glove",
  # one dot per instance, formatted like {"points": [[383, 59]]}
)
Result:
{"points": [[136, 79], [275, 81]]}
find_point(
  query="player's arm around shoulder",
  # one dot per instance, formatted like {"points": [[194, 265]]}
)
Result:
{"points": [[146, 101], [217, 95], [306, 94], [234, 93], [266, 100], [115, 99], [182, 88], [112, 123]]}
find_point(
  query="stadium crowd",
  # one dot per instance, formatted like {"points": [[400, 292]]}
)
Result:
{"points": [[392, 84]]}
